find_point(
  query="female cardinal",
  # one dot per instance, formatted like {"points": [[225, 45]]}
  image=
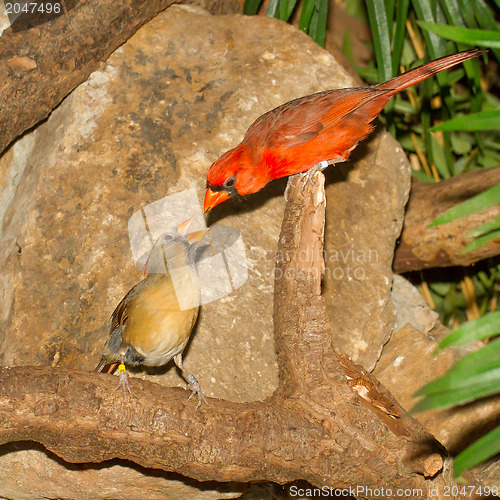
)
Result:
{"points": [[309, 133], [153, 322]]}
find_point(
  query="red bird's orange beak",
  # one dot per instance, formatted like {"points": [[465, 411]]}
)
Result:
{"points": [[214, 198]]}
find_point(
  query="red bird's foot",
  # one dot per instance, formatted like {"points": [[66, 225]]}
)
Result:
{"points": [[308, 175], [123, 381], [305, 176], [289, 185]]}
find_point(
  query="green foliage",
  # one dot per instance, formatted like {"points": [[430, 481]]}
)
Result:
{"points": [[483, 234], [432, 113], [313, 14], [317, 26], [486, 447], [474, 376], [479, 202], [251, 7], [379, 23], [483, 38], [486, 120], [481, 328], [450, 130], [460, 294]]}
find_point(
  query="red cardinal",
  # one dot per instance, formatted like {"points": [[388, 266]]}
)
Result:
{"points": [[309, 133]]}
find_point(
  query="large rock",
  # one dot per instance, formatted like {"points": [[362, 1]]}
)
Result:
{"points": [[146, 126], [371, 191], [28, 472]]}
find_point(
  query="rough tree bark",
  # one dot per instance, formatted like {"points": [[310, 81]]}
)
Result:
{"points": [[39, 67], [422, 246], [329, 422]]}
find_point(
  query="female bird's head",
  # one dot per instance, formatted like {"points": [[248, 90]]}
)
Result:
{"points": [[174, 248], [234, 173]]}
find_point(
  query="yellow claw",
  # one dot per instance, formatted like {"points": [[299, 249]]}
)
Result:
{"points": [[121, 368]]}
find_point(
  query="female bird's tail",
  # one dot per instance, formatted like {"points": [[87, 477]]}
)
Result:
{"points": [[416, 75], [105, 366]]}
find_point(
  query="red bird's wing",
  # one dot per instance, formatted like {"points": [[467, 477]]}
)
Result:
{"points": [[326, 126], [299, 122]]}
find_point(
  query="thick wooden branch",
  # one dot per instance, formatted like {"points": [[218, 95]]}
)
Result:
{"points": [[422, 246], [40, 66], [329, 422]]}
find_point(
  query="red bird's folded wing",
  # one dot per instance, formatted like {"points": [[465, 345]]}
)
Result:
{"points": [[298, 122]]}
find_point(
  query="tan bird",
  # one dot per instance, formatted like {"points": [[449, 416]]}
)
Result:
{"points": [[153, 322]]}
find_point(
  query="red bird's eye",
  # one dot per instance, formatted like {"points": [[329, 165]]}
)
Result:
{"points": [[229, 183]]}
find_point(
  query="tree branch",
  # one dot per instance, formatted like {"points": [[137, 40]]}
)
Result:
{"points": [[329, 422], [40, 66], [422, 246]]}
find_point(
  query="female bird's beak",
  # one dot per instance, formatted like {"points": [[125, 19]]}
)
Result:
{"points": [[214, 198], [195, 236], [183, 227]]}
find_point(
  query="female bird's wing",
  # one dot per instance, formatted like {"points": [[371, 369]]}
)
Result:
{"points": [[111, 356], [119, 316]]}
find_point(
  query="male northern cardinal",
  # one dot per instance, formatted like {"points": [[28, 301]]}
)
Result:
{"points": [[151, 325], [309, 133]]}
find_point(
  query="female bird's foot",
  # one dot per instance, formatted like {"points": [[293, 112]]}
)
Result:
{"points": [[193, 384], [123, 381]]}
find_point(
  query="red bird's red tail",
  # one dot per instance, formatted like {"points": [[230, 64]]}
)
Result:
{"points": [[416, 75]]}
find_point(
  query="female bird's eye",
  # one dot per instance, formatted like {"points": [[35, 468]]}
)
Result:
{"points": [[229, 183]]}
